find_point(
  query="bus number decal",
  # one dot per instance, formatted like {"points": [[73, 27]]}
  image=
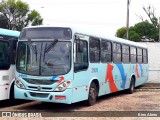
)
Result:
{"points": [[94, 70]]}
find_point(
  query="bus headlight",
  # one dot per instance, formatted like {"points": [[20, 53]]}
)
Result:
{"points": [[19, 84], [63, 86]]}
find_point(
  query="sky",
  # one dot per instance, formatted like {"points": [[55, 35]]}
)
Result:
{"points": [[102, 15]]}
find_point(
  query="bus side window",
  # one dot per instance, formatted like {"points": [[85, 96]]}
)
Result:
{"points": [[94, 50], [81, 55], [117, 56], [145, 58]]}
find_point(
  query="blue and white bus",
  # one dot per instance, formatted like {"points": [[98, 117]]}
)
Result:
{"points": [[8, 41], [67, 65]]}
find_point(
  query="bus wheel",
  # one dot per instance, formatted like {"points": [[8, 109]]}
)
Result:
{"points": [[132, 86], [92, 96]]}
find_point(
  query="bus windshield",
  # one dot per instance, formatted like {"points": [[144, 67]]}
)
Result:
{"points": [[44, 58], [4, 55]]}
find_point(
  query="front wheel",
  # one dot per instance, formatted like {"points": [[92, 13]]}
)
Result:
{"points": [[92, 96], [132, 86]]}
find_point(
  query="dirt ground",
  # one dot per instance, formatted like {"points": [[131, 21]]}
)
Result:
{"points": [[145, 98]]}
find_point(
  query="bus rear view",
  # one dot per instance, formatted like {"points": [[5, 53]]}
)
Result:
{"points": [[44, 64]]}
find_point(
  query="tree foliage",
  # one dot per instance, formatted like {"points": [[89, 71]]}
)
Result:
{"points": [[18, 14], [121, 32], [3, 22], [138, 31], [143, 29]]}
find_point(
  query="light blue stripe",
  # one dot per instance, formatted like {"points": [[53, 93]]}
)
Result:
{"points": [[9, 32]]}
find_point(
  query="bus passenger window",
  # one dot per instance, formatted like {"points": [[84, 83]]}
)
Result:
{"points": [[81, 55], [117, 57], [145, 58], [125, 54], [133, 54], [94, 50], [139, 55], [106, 49]]}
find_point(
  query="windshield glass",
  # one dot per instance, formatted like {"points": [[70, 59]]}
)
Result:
{"points": [[4, 58], [44, 58]]}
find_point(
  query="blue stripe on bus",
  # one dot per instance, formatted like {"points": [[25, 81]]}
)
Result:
{"points": [[54, 77], [123, 76]]}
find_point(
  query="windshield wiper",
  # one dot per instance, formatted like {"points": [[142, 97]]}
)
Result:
{"points": [[49, 47]]}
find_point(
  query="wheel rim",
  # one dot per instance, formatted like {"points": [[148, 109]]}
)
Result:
{"points": [[92, 95]]}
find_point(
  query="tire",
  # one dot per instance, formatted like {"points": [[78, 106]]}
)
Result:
{"points": [[92, 96], [12, 100], [132, 86]]}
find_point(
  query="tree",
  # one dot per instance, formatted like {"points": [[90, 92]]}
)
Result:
{"points": [[3, 22], [18, 15], [150, 11], [146, 29], [134, 36], [121, 32], [138, 31]]}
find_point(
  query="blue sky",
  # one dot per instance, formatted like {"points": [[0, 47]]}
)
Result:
{"points": [[104, 15]]}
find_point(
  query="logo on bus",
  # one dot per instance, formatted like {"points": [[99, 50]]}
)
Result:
{"points": [[38, 87]]}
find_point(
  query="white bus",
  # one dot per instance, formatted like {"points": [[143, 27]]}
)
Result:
{"points": [[8, 41]]}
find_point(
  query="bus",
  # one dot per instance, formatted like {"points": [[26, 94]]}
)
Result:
{"points": [[68, 65], [8, 41]]}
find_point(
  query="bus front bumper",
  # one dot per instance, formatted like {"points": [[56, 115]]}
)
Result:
{"points": [[56, 97]]}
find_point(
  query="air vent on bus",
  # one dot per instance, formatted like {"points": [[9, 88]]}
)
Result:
{"points": [[41, 95], [40, 82]]}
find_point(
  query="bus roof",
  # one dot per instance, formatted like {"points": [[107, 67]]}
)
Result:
{"points": [[9, 32], [96, 33]]}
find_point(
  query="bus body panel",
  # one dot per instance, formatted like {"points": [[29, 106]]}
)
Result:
{"points": [[46, 91], [44, 96], [6, 80], [7, 75]]}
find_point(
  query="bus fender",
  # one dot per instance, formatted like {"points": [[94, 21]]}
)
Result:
{"points": [[12, 82], [94, 79]]}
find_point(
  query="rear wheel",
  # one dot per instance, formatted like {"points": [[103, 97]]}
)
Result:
{"points": [[132, 86], [92, 96]]}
